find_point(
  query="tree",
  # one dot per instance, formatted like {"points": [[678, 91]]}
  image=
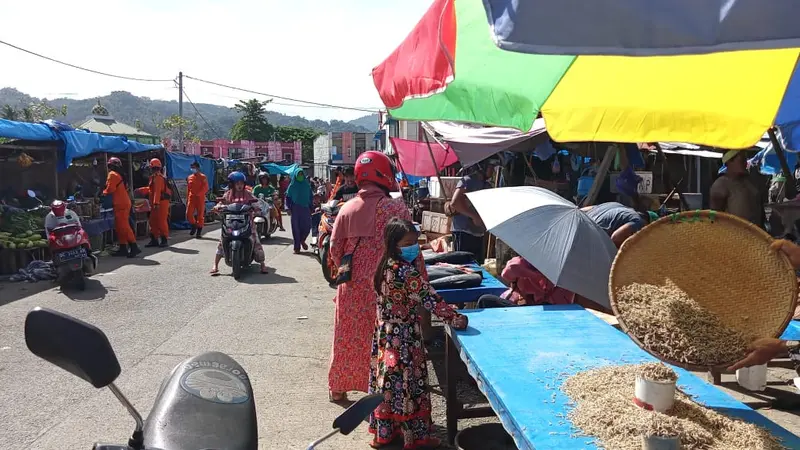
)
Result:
{"points": [[34, 112], [9, 113], [171, 126], [304, 135], [253, 124]]}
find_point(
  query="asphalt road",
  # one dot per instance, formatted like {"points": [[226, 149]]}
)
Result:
{"points": [[158, 310]]}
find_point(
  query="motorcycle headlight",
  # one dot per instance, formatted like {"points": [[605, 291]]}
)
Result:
{"points": [[236, 233]]}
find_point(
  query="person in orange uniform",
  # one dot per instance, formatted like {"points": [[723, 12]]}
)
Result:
{"points": [[121, 202], [159, 196], [197, 187]]}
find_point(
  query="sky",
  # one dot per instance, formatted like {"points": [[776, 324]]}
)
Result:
{"points": [[318, 50]]}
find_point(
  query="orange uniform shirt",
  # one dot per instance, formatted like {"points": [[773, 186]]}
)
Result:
{"points": [[197, 185], [115, 187]]}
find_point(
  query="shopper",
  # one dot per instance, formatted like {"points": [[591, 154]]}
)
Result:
{"points": [[299, 199]]}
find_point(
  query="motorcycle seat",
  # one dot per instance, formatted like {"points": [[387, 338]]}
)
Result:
{"points": [[206, 402]]}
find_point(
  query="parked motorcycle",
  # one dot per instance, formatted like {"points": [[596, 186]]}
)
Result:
{"points": [[266, 225], [329, 212], [206, 402], [72, 255], [236, 232]]}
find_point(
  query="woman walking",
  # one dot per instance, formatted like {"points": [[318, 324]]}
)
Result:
{"points": [[299, 199], [399, 368], [358, 231]]}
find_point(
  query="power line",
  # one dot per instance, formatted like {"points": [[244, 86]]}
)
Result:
{"points": [[213, 128], [327, 105], [122, 77]]}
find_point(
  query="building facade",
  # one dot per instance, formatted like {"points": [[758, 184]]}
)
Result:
{"points": [[340, 149], [291, 152]]}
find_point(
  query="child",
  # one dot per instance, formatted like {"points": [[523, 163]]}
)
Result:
{"points": [[399, 369]]}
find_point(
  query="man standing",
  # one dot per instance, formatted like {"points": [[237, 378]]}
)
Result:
{"points": [[121, 202], [159, 195], [734, 193], [197, 187], [467, 226]]}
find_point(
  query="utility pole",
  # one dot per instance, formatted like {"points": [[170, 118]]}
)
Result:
{"points": [[180, 112]]}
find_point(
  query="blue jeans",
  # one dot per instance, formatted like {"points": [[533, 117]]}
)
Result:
{"points": [[315, 219]]}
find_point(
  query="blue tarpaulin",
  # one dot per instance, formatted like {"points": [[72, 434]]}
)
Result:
{"points": [[275, 169], [179, 166], [76, 144], [767, 161], [788, 117]]}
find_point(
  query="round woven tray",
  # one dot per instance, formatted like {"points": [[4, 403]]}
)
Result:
{"points": [[719, 260]]}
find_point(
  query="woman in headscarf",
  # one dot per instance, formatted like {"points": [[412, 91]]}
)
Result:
{"points": [[299, 198], [358, 231]]}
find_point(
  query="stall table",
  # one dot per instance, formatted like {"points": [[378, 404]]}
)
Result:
{"points": [[521, 356], [490, 285]]}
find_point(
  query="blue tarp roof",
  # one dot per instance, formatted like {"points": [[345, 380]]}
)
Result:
{"points": [[75, 143], [275, 169], [179, 166]]}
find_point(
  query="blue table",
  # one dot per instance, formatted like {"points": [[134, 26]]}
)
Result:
{"points": [[792, 332], [520, 356], [490, 285]]}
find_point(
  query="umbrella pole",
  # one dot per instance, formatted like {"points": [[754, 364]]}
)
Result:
{"points": [[602, 171], [490, 240], [435, 167], [791, 188], [663, 159]]}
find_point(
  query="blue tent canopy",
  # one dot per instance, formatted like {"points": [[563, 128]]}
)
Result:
{"points": [[275, 169], [75, 143], [179, 166]]}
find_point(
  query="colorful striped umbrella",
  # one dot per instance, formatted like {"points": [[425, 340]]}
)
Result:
{"points": [[449, 68]]}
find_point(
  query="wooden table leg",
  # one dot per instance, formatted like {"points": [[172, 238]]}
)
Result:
{"points": [[452, 407]]}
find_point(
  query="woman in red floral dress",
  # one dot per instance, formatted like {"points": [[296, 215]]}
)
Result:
{"points": [[399, 367]]}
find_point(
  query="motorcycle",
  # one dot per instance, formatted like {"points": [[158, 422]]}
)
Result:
{"points": [[329, 212], [205, 402], [266, 225], [236, 233]]}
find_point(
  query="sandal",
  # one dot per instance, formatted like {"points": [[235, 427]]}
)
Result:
{"points": [[304, 245], [264, 270], [214, 271], [336, 397]]}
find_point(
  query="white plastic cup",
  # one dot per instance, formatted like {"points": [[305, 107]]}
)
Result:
{"points": [[752, 378], [654, 395], [660, 443]]}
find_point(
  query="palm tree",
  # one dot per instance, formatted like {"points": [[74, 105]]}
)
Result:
{"points": [[9, 113]]}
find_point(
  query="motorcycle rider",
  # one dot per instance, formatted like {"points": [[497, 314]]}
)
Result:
{"points": [[237, 193], [121, 202], [348, 189], [59, 216], [197, 187], [268, 190], [159, 195]]}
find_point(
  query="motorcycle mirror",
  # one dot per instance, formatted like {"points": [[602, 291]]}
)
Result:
{"points": [[31, 194], [79, 348], [354, 415]]}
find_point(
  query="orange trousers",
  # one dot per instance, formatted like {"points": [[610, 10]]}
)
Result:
{"points": [[196, 204], [122, 226], [159, 227]]}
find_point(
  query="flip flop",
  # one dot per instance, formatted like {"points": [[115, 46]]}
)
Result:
{"points": [[265, 271], [213, 272]]}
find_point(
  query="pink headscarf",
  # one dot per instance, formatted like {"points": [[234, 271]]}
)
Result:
{"points": [[357, 217]]}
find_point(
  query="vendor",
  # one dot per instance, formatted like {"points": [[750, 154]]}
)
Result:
{"points": [[619, 221], [197, 188], [734, 192], [764, 350], [528, 287], [467, 226]]}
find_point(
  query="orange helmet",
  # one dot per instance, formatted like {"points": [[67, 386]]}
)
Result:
{"points": [[375, 167], [155, 162]]}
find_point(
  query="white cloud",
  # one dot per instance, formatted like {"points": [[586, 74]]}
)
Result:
{"points": [[313, 50]]}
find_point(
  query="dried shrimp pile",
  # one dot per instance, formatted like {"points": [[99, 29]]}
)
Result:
{"points": [[604, 410], [657, 372], [669, 323]]}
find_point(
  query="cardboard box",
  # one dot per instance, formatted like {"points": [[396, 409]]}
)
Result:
{"points": [[435, 222]]}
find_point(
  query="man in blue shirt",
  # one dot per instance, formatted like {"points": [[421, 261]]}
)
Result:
{"points": [[467, 227], [616, 219]]}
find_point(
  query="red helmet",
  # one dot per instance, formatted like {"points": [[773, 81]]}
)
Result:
{"points": [[114, 161], [155, 162], [375, 167], [58, 208]]}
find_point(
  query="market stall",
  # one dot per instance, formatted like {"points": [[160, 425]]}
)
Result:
{"points": [[530, 402]]}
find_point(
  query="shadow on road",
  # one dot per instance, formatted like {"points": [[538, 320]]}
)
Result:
{"points": [[277, 240], [94, 292]]}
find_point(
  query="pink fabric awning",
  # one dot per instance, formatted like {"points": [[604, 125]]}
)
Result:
{"points": [[415, 159]]}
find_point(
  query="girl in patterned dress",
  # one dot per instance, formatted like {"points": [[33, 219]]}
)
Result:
{"points": [[399, 368]]}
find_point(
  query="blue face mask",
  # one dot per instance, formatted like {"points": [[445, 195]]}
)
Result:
{"points": [[410, 253]]}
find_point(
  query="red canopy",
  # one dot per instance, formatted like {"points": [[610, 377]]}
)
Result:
{"points": [[415, 159]]}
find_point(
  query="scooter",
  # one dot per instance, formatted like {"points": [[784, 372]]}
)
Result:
{"points": [[329, 212], [266, 225], [206, 402], [236, 232]]}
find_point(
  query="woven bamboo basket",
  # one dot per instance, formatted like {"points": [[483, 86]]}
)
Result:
{"points": [[719, 260]]}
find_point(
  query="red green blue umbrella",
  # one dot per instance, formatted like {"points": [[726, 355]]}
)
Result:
{"points": [[450, 68]]}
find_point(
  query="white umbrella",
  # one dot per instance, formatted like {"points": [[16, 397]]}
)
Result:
{"points": [[552, 234]]}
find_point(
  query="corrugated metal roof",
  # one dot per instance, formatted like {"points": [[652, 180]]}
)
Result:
{"points": [[111, 126]]}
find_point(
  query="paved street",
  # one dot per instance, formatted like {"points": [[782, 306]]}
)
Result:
{"points": [[159, 310], [163, 308]]}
